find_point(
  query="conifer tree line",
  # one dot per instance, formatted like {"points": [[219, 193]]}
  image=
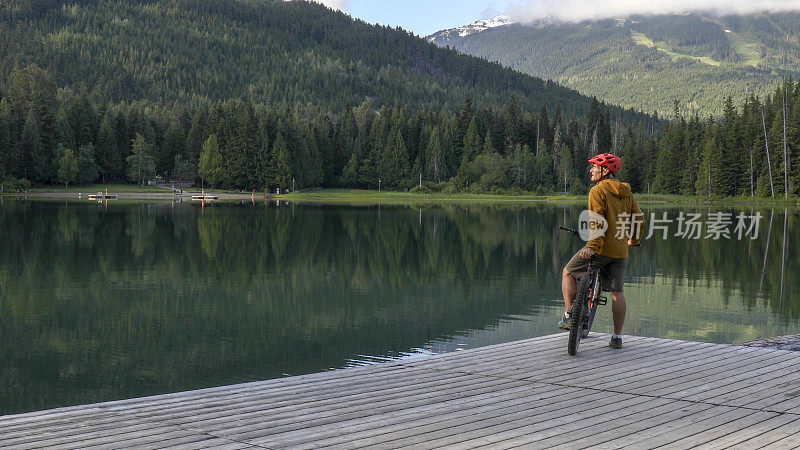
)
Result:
{"points": [[752, 150], [47, 137]]}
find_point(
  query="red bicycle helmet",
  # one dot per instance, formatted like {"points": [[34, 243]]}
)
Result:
{"points": [[607, 160]]}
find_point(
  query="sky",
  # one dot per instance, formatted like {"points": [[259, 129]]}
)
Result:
{"points": [[424, 17]]}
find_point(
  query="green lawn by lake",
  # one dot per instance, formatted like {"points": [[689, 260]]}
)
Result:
{"points": [[359, 195]]}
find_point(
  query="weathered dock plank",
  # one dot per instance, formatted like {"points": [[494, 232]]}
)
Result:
{"points": [[653, 392], [565, 415], [769, 427], [632, 423]]}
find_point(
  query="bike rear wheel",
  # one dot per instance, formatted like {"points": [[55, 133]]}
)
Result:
{"points": [[579, 306]]}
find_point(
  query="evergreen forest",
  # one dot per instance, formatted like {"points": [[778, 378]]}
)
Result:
{"points": [[91, 107]]}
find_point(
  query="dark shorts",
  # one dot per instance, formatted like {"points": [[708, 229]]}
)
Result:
{"points": [[612, 270]]}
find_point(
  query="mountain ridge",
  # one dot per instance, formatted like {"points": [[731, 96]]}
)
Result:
{"points": [[259, 50], [648, 62]]}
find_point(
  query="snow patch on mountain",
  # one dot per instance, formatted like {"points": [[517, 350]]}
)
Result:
{"points": [[473, 28]]}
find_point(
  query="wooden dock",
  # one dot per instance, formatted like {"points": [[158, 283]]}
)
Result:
{"points": [[527, 394], [101, 196], [204, 198]]}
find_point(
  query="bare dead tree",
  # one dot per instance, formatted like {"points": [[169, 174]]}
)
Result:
{"points": [[766, 146], [785, 151]]}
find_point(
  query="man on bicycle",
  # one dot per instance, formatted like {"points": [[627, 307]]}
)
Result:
{"points": [[615, 203]]}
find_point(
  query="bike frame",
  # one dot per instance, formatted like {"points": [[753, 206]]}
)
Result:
{"points": [[595, 290]]}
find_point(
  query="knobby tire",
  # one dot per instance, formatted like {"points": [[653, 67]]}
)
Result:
{"points": [[590, 319], [578, 311]]}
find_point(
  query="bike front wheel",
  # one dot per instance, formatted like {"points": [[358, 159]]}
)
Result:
{"points": [[579, 306], [590, 319]]}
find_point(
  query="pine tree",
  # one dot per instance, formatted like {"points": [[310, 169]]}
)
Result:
{"points": [[451, 147], [513, 124], [33, 91], [564, 171], [68, 167], [593, 123], [488, 145], [692, 147], [280, 175], [434, 156], [604, 135], [311, 168], [109, 159], [465, 117], [393, 162], [183, 170], [594, 147], [262, 157], [37, 165], [631, 170], [63, 130], [350, 173], [543, 127], [171, 145], [210, 167], [731, 179], [331, 157], [793, 138], [81, 117], [197, 133], [88, 170], [240, 149], [710, 181], [473, 145], [363, 116], [556, 147], [141, 165], [671, 153], [360, 148], [8, 159], [522, 163], [496, 128]]}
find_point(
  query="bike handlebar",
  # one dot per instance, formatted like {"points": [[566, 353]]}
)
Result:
{"points": [[577, 234]]}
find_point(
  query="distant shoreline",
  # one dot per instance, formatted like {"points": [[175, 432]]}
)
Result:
{"points": [[129, 192], [134, 195]]}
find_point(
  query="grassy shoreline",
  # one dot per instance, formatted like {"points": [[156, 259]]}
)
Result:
{"points": [[334, 195], [373, 196]]}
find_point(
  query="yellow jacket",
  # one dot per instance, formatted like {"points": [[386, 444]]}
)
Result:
{"points": [[614, 201]]}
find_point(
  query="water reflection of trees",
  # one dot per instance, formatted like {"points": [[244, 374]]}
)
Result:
{"points": [[753, 267], [133, 300], [138, 299]]}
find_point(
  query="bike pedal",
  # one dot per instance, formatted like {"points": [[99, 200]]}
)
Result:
{"points": [[602, 300]]}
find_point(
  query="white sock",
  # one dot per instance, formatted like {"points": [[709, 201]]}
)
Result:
{"points": [[566, 314], [616, 336]]}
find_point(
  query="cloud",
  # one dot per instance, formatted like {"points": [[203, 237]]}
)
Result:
{"points": [[335, 4], [579, 10], [490, 12]]}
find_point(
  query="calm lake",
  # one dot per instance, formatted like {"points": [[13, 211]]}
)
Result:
{"points": [[107, 301]]}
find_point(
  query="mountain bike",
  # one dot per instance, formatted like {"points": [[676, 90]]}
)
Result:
{"points": [[584, 306]]}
